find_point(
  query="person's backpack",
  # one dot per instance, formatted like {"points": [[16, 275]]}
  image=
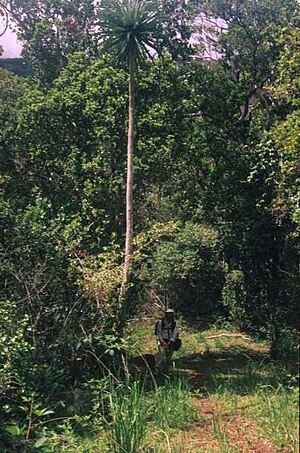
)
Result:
{"points": [[156, 326], [177, 344]]}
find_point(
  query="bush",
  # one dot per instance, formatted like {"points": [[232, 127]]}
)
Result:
{"points": [[185, 268], [15, 356], [234, 297]]}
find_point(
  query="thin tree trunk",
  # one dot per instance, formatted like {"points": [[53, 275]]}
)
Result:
{"points": [[129, 184]]}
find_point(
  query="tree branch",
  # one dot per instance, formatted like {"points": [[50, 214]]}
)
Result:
{"points": [[230, 335]]}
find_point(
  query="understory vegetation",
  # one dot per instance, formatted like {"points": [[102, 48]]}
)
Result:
{"points": [[174, 128], [223, 394]]}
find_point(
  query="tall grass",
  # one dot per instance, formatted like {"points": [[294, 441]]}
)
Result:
{"points": [[127, 420], [172, 406], [278, 416], [130, 412], [260, 392]]}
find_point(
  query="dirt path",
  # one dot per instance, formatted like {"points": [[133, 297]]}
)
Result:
{"points": [[219, 429], [226, 375]]}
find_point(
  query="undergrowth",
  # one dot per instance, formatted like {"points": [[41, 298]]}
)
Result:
{"points": [[224, 395]]}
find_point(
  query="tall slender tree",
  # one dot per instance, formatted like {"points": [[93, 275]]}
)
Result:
{"points": [[130, 28]]}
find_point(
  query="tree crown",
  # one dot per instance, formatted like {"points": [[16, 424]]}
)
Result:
{"points": [[130, 27]]}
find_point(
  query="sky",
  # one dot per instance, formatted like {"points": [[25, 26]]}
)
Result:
{"points": [[11, 46]]}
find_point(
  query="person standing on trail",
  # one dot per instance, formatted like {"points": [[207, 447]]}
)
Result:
{"points": [[166, 331]]}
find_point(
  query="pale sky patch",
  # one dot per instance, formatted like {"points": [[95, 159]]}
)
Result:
{"points": [[12, 48]]}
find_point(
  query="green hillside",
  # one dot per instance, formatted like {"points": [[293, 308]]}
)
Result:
{"points": [[17, 66]]}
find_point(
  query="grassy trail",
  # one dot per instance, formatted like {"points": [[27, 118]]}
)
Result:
{"points": [[223, 395], [243, 401]]}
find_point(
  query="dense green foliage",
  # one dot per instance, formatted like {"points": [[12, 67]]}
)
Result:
{"points": [[17, 66], [216, 190]]}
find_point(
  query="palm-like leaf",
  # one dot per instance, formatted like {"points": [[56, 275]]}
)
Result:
{"points": [[129, 27]]}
